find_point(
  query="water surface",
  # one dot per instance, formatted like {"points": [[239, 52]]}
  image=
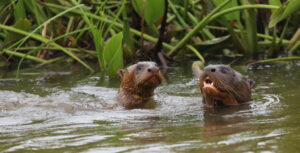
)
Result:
{"points": [[64, 111]]}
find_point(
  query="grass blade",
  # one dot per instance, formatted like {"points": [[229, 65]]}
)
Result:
{"points": [[45, 40], [33, 58]]}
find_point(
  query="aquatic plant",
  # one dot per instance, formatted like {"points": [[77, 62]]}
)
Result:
{"points": [[113, 33]]}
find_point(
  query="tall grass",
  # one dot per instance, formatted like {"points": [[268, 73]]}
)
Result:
{"points": [[108, 32]]}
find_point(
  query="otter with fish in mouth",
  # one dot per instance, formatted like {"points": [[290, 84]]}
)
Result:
{"points": [[138, 82], [221, 85]]}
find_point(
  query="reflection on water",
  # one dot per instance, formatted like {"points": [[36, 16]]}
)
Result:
{"points": [[66, 112]]}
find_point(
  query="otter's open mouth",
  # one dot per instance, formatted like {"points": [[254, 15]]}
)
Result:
{"points": [[208, 86]]}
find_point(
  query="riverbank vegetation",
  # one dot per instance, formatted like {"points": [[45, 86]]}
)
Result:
{"points": [[114, 33]]}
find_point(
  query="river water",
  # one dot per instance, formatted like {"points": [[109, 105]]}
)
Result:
{"points": [[64, 111]]}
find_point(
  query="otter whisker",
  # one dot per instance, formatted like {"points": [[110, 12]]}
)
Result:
{"points": [[224, 85], [229, 89]]}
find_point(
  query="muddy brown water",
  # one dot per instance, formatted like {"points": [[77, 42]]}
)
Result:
{"points": [[54, 111]]}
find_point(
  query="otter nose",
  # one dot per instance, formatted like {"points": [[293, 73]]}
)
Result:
{"points": [[153, 69]]}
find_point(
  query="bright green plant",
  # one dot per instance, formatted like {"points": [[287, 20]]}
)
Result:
{"points": [[100, 31], [284, 11], [113, 54], [150, 10]]}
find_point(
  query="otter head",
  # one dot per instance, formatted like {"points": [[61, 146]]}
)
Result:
{"points": [[138, 82], [140, 76], [221, 85]]}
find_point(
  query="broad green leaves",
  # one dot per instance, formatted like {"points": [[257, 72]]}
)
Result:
{"points": [[284, 11], [231, 16], [113, 54], [22, 24], [150, 10], [275, 2], [19, 10]]}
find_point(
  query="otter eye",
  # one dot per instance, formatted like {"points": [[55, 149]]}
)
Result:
{"points": [[224, 70], [139, 67]]}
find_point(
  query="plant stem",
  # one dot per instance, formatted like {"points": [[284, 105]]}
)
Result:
{"points": [[13, 53], [134, 31], [197, 53], [251, 30], [212, 16], [238, 8], [180, 19], [284, 30], [45, 40], [200, 25], [284, 41], [278, 59], [90, 52]]}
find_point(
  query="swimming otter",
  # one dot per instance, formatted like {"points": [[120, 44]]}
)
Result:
{"points": [[221, 85], [138, 82]]}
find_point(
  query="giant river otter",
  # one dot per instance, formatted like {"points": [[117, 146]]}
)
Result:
{"points": [[138, 82], [221, 85]]}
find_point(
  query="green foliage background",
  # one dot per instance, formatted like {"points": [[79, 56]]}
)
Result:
{"points": [[113, 33]]}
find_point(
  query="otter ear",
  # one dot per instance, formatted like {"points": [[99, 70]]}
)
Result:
{"points": [[122, 72], [251, 83]]}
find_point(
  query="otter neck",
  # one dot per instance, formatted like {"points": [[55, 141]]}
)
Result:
{"points": [[143, 93], [131, 99]]}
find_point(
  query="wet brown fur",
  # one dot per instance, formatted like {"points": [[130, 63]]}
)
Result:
{"points": [[231, 88], [138, 84]]}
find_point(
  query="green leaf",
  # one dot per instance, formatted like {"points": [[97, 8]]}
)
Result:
{"points": [[275, 2], [231, 16], [284, 11], [113, 54], [216, 43], [153, 9], [98, 42], [22, 24], [128, 37], [19, 10], [292, 6]]}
